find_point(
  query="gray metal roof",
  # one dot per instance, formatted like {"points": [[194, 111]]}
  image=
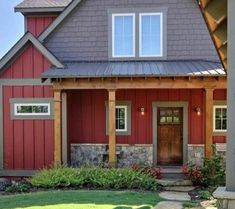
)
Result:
{"points": [[136, 69], [43, 4]]}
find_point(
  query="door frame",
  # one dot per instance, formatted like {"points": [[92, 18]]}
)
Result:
{"points": [[157, 105]]}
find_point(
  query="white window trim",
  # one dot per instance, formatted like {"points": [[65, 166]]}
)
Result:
{"points": [[32, 104], [113, 39], [214, 108], [161, 34], [125, 119]]}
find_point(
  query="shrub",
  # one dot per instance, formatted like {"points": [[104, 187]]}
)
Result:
{"points": [[96, 177], [211, 174], [58, 176], [205, 195], [19, 187]]}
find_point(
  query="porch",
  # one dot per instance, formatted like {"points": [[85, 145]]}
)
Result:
{"points": [[85, 117]]}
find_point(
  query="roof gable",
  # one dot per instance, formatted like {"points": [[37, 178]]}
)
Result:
{"points": [[28, 37], [83, 35]]}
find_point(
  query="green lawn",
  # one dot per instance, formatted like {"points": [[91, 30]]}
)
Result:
{"points": [[81, 200]]}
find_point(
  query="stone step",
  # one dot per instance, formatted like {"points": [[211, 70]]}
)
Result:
{"points": [[175, 196], [172, 172], [174, 182], [179, 188], [169, 205]]}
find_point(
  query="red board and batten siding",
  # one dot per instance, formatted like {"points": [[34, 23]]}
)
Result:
{"points": [[86, 114], [37, 24], [28, 144], [30, 64]]}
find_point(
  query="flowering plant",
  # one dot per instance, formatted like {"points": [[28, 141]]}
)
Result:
{"points": [[194, 173], [154, 172]]}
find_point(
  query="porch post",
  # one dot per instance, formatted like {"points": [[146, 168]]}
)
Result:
{"points": [[57, 127], [209, 121], [112, 127], [230, 154]]}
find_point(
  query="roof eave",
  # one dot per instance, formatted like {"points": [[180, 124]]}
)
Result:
{"points": [[25, 10]]}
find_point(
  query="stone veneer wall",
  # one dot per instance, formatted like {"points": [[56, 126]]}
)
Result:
{"points": [[196, 152], [97, 154]]}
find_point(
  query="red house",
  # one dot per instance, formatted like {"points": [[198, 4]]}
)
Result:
{"points": [[123, 82]]}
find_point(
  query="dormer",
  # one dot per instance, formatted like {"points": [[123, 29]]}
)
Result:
{"points": [[39, 14]]}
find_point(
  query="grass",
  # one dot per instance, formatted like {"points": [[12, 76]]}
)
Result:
{"points": [[81, 200], [187, 205]]}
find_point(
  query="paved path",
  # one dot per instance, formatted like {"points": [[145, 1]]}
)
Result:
{"points": [[169, 205], [175, 199], [177, 196]]}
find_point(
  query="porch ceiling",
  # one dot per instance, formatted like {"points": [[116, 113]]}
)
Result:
{"points": [[136, 69], [215, 14]]}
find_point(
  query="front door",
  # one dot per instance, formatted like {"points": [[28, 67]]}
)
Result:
{"points": [[170, 136]]}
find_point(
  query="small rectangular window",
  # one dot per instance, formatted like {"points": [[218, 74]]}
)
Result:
{"points": [[123, 35], [32, 109], [220, 118], [151, 38], [121, 118]]}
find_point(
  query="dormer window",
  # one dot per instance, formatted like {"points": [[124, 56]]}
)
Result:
{"points": [[137, 34], [150, 33], [123, 35]]}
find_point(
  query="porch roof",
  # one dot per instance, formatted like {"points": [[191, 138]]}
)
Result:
{"points": [[137, 69]]}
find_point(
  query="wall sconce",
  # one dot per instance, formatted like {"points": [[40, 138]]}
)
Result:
{"points": [[141, 110], [198, 110]]}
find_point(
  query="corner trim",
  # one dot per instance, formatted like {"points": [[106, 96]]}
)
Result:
{"points": [[1, 128], [184, 105]]}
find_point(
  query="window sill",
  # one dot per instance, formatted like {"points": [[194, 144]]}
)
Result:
{"points": [[220, 133]]}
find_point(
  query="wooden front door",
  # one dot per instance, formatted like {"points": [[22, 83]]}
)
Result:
{"points": [[170, 136]]}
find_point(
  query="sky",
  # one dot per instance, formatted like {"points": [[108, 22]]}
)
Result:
{"points": [[11, 25]]}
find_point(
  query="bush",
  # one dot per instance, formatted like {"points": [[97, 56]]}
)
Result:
{"points": [[205, 195], [211, 174], [18, 187], [96, 177], [59, 176]]}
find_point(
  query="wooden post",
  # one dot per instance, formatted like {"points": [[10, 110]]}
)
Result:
{"points": [[209, 121], [112, 128], [57, 128]]}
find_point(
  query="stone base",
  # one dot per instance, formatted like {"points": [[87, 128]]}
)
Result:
{"points": [[97, 154], [130, 154], [196, 152], [225, 199]]}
